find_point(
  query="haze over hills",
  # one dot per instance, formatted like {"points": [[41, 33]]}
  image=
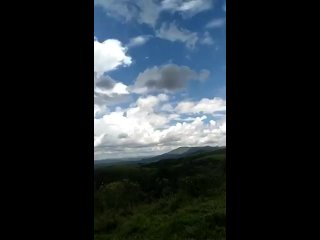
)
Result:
{"points": [[185, 150], [174, 154]]}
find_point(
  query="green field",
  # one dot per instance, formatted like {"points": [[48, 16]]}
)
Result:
{"points": [[170, 200]]}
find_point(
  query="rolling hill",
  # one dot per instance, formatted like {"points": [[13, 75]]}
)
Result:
{"points": [[174, 154], [181, 152]]}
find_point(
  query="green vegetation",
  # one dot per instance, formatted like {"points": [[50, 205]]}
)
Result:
{"points": [[170, 199]]}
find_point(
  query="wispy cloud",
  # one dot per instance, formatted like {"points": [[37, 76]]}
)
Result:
{"points": [[187, 8], [138, 41], [142, 11], [149, 11], [216, 23], [207, 39], [171, 32]]}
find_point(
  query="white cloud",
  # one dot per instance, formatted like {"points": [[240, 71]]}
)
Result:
{"points": [[110, 99], [171, 32], [100, 110], [142, 11], [163, 97], [187, 8], [120, 9], [148, 11], [167, 108], [98, 140], [118, 88], [145, 129], [109, 55], [216, 23], [138, 41], [108, 92], [205, 106]]}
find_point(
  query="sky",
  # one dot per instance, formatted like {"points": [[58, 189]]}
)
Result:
{"points": [[159, 76]]}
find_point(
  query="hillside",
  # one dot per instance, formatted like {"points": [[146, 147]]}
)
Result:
{"points": [[171, 199], [176, 153], [116, 161]]}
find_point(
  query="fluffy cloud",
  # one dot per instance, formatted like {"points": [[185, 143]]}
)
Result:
{"points": [[106, 85], [171, 32], [216, 23], [109, 55], [108, 92], [138, 41], [118, 88], [145, 129], [151, 124], [103, 82], [168, 77], [108, 100]]}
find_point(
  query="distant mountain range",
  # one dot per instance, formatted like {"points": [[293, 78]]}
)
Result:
{"points": [[174, 154]]}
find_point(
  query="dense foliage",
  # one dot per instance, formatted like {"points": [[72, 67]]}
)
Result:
{"points": [[170, 200]]}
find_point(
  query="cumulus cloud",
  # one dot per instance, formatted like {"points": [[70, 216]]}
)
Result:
{"points": [[173, 33], [100, 110], [152, 124], [169, 77], [118, 88], [103, 81], [144, 129], [109, 55], [110, 99], [108, 92], [216, 23], [138, 41], [167, 108]]}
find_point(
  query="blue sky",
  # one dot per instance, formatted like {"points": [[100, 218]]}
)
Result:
{"points": [[160, 73]]}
